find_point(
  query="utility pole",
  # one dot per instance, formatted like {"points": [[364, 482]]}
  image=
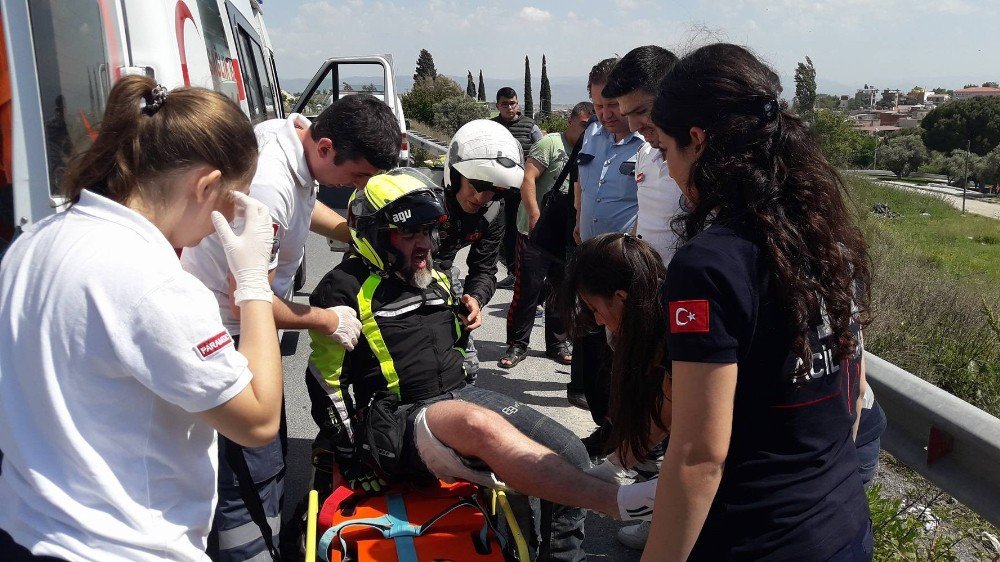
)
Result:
{"points": [[965, 178]]}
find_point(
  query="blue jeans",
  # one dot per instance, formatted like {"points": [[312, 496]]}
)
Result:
{"points": [[566, 541], [868, 444]]}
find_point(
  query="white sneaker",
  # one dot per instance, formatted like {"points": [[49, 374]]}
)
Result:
{"points": [[634, 536]]}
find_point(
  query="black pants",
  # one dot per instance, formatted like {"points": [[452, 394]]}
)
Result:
{"points": [[591, 373], [534, 271], [10, 551], [511, 202]]}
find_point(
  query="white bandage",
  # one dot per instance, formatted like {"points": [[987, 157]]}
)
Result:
{"points": [[442, 460], [635, 501]]}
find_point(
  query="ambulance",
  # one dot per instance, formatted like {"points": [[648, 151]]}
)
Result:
{"points": [[59, 59]]}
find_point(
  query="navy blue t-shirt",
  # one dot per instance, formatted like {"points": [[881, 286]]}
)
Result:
{"points": [[790, 488]]}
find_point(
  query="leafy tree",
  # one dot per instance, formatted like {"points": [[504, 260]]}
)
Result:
{"points": [[529, 104], [988, 170], [482, 87], [419, 102], [954, 124], [454, 112], [960, 166], [942, 91], [470, 87], [902, 155], [842, 144], [370, 88], [545, 93], [425, 66], [553, 123], [991, 85], [826, 101], [970, 86], [805, 88], [855, 104]]}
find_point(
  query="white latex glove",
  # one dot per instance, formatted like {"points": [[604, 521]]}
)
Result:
{"points": [[348, 328], [609, 471], [248, 252], [635, 501]]}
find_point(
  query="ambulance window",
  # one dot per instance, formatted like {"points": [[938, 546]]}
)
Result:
{"points": [[260, 95], [76, 58]]}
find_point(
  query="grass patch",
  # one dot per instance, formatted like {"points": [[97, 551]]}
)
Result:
{"points": [[935, 291]]}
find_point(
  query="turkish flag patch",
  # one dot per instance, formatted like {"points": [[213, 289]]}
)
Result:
{"points": [[689, 317], [213, 345]]}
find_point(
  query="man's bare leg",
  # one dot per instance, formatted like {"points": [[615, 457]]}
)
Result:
{"points": [[475, 432]]}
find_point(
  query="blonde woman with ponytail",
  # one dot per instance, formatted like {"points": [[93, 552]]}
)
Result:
{"points": [[115, 368]]}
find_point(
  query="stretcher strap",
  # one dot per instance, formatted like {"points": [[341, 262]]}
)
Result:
{"points": [[395, 525], [401, 529]]}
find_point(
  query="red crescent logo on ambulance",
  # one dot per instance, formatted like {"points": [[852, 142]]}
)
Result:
{"points": [[181, 14], [689, 317]]}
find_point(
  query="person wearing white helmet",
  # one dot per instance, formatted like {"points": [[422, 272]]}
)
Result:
{"points": [[484, 163]]}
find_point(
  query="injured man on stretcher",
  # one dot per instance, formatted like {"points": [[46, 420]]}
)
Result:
{"points": [[396, 406]]}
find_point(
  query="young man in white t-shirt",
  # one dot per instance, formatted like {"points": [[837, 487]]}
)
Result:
{"points": [[352, 140], [634, 83]]}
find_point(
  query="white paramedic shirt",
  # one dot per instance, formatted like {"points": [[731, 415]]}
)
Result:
{"points": [[283, 183], [108, 349], [659, 201]]}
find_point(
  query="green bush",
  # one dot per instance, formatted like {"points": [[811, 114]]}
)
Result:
{"points": [[899, 535], [554, 123], [419, 102], [452, 113]]}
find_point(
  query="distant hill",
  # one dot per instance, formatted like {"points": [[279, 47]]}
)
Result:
{"points": [[565, 90]]}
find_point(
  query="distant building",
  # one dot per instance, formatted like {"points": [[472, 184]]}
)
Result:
{"points": [[936, 99], [867, 95], [844, 101], [967, 93]]}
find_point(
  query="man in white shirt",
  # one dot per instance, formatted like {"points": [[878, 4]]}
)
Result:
{"points": [[353, 139], [634, 82]]}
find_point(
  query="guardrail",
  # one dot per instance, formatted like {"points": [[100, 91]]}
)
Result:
{"points": [[427, 143], [948, 441]]}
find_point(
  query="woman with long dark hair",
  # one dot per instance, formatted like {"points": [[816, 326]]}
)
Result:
{"points": [[763, 304]]}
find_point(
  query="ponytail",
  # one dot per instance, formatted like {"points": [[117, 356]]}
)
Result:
{"points": [[149, 134]]}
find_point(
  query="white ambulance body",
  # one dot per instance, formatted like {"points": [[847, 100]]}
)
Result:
{"points": [[61, 57]]}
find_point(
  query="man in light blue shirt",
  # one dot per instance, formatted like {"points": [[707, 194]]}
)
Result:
{"points": [[607, 192], [606, 198]]}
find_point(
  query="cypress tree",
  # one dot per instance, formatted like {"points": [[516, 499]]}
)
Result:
{"points": [[545, 92], [425, 66], [529, 104], [470, 87], [482, 87]]}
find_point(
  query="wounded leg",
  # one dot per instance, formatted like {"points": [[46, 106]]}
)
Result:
{"points": [[475, 432]]}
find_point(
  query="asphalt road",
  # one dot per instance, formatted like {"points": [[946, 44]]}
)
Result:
{"points": [[536, 381]]}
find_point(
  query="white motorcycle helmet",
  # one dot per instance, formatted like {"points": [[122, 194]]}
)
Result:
{"points": [[484, 151]]}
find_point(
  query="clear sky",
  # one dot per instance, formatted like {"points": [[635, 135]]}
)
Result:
{"points": [[888, 43]]}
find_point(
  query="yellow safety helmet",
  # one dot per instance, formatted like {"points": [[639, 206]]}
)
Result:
{"points": [[402, 199]]}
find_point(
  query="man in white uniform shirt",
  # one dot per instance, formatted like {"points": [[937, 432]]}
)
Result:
{"points": [[634, 82], [352, 140]]}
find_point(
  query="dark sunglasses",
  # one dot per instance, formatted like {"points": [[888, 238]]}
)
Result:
{"points": [[486, 187]]}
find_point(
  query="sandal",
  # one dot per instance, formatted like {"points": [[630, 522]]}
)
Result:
{"points": [[562, 353], [514, 355]]}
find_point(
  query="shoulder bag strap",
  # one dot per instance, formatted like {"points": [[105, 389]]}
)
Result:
{"points": [[249, 495]]}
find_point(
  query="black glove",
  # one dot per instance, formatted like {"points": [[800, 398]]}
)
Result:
{"points": [[356, 473]]}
